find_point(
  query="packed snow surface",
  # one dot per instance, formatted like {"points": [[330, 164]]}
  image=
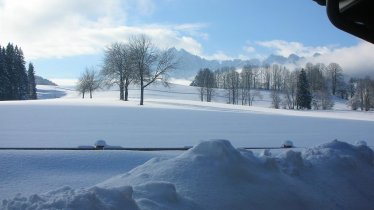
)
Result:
{"points": [[215, 175], [170, 117]]}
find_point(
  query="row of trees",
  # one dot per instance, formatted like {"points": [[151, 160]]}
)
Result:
{"points": [[237, 85], [138, 61], [322, 81], [16, 83]]}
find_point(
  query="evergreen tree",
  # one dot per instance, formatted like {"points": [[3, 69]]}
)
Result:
{"points": [[303, 96], [22, 80], [3, 78], [5, 85], [10, 72], [31, 81], [206, 82], [14, 82]]}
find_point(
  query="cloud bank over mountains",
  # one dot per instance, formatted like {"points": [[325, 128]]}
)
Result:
{"points": [[356, 61]]}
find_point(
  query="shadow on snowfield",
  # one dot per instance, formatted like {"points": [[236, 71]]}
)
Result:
{"points": [[49, 94]]}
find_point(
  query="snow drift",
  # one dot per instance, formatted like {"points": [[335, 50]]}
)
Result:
{"points": [[215, 175]]}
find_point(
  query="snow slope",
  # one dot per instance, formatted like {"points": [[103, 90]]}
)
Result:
{"points": [[215, 175], [72, 121]]}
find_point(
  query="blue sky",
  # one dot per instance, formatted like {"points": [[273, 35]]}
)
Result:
{"points": [[230, 23], [62, 37]]}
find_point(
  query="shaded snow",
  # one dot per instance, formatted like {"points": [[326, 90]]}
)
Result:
{"points": [[31, 172], [84, 199], [215, 175]]}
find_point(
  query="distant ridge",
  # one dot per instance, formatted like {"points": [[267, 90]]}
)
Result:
{"points": [[42, 81]]}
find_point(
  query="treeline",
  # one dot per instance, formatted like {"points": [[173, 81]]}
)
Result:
{"points": [[16, 83], [286, 86]]}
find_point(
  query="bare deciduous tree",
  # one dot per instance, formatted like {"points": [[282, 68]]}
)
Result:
{"points": [[246, 84], [364, 95], [275, 99], [266, 77], [117, 69], [232, 86], [255, 95], [149, 63], [219, 76], [335, 76], [88, 82], [290, 89]]}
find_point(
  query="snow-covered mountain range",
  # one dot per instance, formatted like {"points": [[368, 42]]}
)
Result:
{"points": [[189, 64]]}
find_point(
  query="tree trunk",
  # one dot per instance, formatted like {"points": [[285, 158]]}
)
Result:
{"points": [[90, 93], [233, 95], [249, 97], [121, 89], [126, 93], [127, 90], [141, 88], [207, 95], [83, 95]]}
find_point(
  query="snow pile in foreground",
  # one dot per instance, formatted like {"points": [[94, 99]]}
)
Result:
{"points": [[214, 175]]}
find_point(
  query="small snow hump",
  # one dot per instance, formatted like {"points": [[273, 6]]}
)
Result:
{"points": [[217, 149], [100, 144], [361, 143], [266, 152], [287, 144]]}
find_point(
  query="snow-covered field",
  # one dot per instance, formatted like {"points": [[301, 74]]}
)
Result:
{"points": [[192, 180]]}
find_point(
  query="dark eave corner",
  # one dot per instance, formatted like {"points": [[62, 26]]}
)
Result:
{"points": [[352, 16]]}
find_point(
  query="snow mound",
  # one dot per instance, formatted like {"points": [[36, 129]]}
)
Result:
{"points": [[338, 153], [215, 175]]}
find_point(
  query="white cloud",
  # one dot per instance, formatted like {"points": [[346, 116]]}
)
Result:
{"points": [[221, 56], [249, 49], [355, 60], [285, 48], [62, 28], [193, 29]]}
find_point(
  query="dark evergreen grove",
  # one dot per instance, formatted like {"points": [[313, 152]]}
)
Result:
{"points": [[31, 81], [15, 82], [303, 95]]}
